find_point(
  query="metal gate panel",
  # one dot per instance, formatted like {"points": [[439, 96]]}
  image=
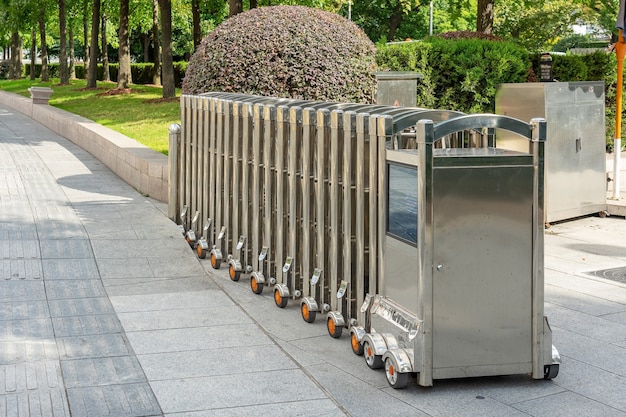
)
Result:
{"points": [[246, 189], [334, 202], [269, 119], [256, 178]]}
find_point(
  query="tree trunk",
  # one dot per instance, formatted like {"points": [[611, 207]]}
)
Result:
{"points": [[197, 29], [484, 16], [234, 7], [156, 58], [146, 47], [63, 74], [93, 48], [395, 21], [106, 75], [169, 88], [72, 69], [124, 76], [15, 67], [253, 4], [86, 49], [33, 54], [45, 76]]}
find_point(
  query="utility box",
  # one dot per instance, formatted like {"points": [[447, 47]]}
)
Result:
{"points": [[462, 289], [575, 160], [397, 88]]}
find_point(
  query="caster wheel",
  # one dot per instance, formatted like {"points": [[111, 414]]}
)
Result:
{"points": [[307, 314], [357, 348], [215, 263], [255, 286], [201, 252], [396, 379], [372, 360], [233, 273], [333, 330], [279, 299], [550, 371]]}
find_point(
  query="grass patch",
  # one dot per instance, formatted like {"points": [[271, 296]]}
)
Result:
{"points": [[138, 112]]}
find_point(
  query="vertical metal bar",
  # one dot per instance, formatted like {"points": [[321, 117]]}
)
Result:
{"points": [[306, 157], [181, 159], [424, 356], [205, 157], [375, 152], [322, 142], [247, 212], [384, 128], [194, 154], [295, 122], [173, 174], [349, 128], [282, 129], [227, 167], [539, 133], [269, 116], [219, 168], [256, 181], [187, 135], [336, 119], [236, 167], [200, 162], [212, 166], [361, 132]]}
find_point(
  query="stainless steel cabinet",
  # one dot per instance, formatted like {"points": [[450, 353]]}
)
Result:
{"points": [[575, 178]]}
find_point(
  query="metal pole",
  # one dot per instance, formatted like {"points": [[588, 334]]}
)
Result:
{"points": [[620, 51], [349, 9], [431, 19], [174, 140]]}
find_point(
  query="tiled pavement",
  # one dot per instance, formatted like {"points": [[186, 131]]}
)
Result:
{"points": [[104, 311]]}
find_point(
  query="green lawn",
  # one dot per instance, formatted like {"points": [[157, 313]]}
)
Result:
{"points": [[140, 113]]}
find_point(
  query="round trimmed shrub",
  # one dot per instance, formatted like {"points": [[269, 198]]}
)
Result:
{"points": [[288, 52]]}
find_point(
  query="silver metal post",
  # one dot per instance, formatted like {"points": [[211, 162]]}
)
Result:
{"points": [[174, 140]]}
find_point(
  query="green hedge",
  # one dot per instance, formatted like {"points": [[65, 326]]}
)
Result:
{"points": [[464, 74], [141, 73], [461, 74]]}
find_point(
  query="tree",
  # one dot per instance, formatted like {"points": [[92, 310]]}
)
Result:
{"points": [[64, 75], [382, 19], [33, 53], [234, 7], [484, 16], [519, 21], [105, 53], [93, 49], [156, 75], [87, 52], [15, 67], [124, 76], [197, 30], [44, 48], [169, 87], [72, 67]]}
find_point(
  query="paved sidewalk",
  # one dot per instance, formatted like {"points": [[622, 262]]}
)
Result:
{"points": [[105, 311]]}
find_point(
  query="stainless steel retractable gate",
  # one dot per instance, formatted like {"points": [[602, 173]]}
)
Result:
{"points": [[293, 193]]}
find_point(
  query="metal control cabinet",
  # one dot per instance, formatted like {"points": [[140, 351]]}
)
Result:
{"points": [[462, 289], [576, 146]]}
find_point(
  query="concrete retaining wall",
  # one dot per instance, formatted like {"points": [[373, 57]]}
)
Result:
{"points": [[143, 168]]}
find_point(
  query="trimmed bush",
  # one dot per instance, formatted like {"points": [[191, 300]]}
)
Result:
{"points": [[459, 74], [285, 51]]}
